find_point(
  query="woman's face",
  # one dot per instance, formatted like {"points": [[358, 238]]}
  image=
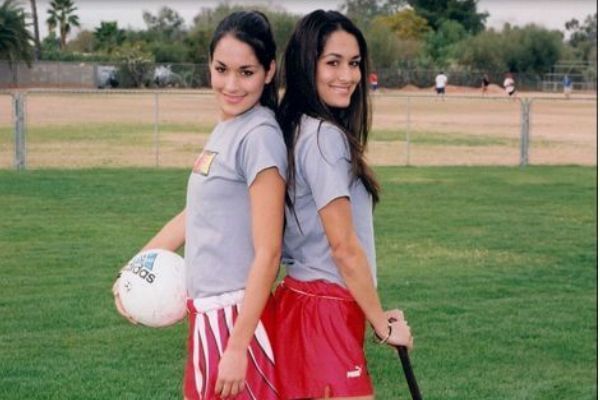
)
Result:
{"points": [[237, 77], [338, 69]]}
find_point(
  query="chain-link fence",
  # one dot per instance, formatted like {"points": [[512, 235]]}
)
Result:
{"points": [[563, 131], [124, 128], [400, 77], [6, 130], [425, 130], [90, 75], [80, 129]]}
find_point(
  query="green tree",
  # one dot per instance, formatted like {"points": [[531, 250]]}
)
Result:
{"points": [[484, 52], [137, 65], [406, 24], [440, 45], [529, 49], [203, 25], [583, 37], [165, 52], [84, 42], [198, 39], [62, 15], [363, 11], [166, 25], [532, 48], [197, 43], [15, 39], [282, 24], [108, 36], [462, 11], [36, 29], [384, 46]]}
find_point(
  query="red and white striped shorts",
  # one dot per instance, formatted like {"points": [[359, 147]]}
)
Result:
{"points": [[211, 321]]}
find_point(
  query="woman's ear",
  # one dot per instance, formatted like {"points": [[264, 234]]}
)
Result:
{"points": [[271, 72]]}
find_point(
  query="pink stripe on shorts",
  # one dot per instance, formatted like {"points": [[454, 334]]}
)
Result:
{"points": [[210, 324]]}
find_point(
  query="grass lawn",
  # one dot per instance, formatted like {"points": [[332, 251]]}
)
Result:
{"points": [[433, 138], [494, 267], [132, 133]]}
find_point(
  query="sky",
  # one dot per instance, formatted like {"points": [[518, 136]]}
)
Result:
{"points": [[551, 14]]}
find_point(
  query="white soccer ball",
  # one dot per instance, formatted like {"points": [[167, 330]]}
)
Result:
{"points": [[152, 288]]}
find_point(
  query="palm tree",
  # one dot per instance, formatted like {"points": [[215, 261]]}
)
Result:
{"points": [[108, 36], [15, 39], [61, 15], [36, 29]]}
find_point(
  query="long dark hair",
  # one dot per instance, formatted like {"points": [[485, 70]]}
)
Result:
{"points": [[301, 97], [254, 29]]}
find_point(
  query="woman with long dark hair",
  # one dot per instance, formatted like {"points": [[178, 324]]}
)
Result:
{"points": [[329, 251], [233, 221]]}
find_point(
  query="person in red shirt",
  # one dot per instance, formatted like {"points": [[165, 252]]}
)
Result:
{"points": [[373, 81]]}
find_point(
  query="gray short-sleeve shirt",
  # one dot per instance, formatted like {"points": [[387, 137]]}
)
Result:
{"points": [[323, 173], [218, 237]]}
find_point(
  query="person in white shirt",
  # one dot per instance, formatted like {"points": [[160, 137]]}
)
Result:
{"points": [[509, 85], [440, 84]]}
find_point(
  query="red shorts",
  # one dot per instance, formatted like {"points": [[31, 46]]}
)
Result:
{"points": [[210, 323], [319, 341]]}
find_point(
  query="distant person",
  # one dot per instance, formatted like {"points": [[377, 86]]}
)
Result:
{"points": [[485, 82], [509, 85], [567, 86], [440, 84], [373, 81]]}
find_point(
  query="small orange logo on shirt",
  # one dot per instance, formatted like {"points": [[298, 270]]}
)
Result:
{"points": [[203, 162]]}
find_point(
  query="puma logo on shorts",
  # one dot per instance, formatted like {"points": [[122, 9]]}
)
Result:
{"points": [[355, 373]]}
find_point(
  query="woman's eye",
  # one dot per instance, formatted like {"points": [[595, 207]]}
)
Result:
{"points": [[333, 63], [247, 73], [354, 63], [220, 69]]}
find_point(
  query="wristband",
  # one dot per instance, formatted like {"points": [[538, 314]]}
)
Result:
{"points": [[383, 340]]}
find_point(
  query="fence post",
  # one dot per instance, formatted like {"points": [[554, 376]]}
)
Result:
{"points": [[156, 141], [525, 115], [407, 131], [19, 118]]}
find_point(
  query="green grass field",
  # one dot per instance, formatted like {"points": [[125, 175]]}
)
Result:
{"points": [[131, 133], [494, 267]]}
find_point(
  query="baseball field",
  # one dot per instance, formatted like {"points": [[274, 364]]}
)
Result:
{"points": [[494, 265]]}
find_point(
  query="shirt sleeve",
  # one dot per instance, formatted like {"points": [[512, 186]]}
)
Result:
{"points": [[325, 165], [262, 148]]}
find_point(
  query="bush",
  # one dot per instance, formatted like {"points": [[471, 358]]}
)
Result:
{"points": [[136, 66]]}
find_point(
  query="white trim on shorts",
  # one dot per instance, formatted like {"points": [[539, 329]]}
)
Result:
{"points": [[205, 304]]}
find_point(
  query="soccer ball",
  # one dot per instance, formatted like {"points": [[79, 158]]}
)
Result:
{"points": [[152, 289]]}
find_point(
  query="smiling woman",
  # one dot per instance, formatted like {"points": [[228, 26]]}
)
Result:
{"points": [[233, 221], [338, 69], [329, 250], [237, 77]]}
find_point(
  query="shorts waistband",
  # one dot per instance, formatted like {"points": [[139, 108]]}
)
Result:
{"points": [[205, 304], [318, 288]]}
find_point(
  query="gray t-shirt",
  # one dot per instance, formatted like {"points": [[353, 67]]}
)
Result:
{"points": [[218, 236], [323, 173]]}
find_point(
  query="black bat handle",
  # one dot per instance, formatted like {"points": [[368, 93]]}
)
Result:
{"points": [[408, 372]]}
